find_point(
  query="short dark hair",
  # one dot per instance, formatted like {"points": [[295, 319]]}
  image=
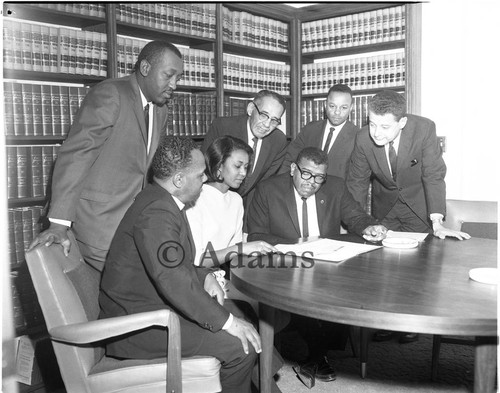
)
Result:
{"points": [[340, 88], [388, 101], [172, 155], [219, 151], [268, 93], [153, 51], [313, 154]]}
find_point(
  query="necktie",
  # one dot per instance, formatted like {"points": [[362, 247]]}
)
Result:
{"points": [[328, 140], [305, 220], [252, 159], [146, 116], [393, 159]]}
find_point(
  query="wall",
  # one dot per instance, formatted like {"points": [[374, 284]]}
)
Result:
{"points": [[461, 90]]}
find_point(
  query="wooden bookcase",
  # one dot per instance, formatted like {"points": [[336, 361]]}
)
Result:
{"points": [[155, 21]]}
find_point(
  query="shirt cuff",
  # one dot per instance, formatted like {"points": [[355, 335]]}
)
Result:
{"points": [[228, 323], [436, 218], [59, 221]]}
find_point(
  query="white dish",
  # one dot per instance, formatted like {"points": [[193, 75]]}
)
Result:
{"points": [[486, 275], [400, 242]]}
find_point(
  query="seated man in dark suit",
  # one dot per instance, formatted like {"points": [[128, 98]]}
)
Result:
{"points": [[150, 266], [258, 128], [308, 202]]}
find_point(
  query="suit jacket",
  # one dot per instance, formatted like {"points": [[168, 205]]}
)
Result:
{"points": [[312, 136], [270, 157], [103, 163], [273, 213], [150, 267], [420, 171]]}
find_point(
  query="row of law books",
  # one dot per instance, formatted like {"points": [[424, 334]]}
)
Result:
{"points": [[364, 28], [29, 170], [360, 73], [191, 114], [97, 10], [25, 224], [255, 31], [197, 19], [199, 65], [314, 109], [26, 311], [251, 75], [40, 110], [44, 48]]}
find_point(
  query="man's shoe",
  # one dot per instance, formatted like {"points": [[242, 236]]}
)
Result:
{"points": [[306, 374], [325, 371], [383, 335], [406, 338]]}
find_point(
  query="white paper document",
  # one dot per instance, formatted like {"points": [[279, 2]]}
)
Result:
{"points": [[327, 249], [418, 236]]}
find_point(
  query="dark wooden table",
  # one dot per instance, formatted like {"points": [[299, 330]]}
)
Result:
{"points": [[425, 289]]}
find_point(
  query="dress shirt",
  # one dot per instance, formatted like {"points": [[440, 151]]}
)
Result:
{"points": [[250, 143], [312, 214], [334, 135], [229, 321]]}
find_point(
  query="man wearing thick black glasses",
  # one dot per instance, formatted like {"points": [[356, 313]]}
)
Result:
{"points": [[259, 127], [306, 202]]}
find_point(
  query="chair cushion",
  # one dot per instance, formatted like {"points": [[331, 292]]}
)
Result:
{"points": [[199, 374]]}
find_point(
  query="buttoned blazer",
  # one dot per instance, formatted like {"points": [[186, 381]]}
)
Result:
{"points": [[271, 153], [150, 267], [103, 163], [312, 136], [420, 171], [273, 215]]}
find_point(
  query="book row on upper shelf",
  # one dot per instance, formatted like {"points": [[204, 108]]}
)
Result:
{"points": [[380, 71], [24, 226], [40, 110], [251, 75], [314, 109], [29, 170], [243, 28], [371, 27], [195, 19]]}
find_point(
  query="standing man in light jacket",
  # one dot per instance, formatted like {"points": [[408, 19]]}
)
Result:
{"points": [[103, 163]]}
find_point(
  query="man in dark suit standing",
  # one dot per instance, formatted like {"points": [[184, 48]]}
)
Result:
{"points": [[103, 163], [150, 267], [335, 135], [259, 128], [303, 203], [402, 155]]}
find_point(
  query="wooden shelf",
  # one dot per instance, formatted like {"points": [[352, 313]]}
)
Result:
{"points": [[31, 201], [309, 57], [33, 139], [52, 77], [358, 92], [250, 51]]}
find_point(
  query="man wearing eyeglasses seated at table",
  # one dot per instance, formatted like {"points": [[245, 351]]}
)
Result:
{"points": [[259, 128], [304, 203]]}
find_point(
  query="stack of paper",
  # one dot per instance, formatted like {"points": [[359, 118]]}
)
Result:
{"points": [[326, 249]]}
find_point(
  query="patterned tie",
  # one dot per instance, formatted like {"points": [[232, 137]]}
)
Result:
{"points": [[328, 140], [252, 159], [305, 220], [393, 159]]}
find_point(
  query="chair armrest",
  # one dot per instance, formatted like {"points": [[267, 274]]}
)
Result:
{"points": [[93, 331]]}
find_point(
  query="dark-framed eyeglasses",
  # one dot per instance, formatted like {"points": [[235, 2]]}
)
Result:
{"points": [[263, 116], [306, 175]]}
